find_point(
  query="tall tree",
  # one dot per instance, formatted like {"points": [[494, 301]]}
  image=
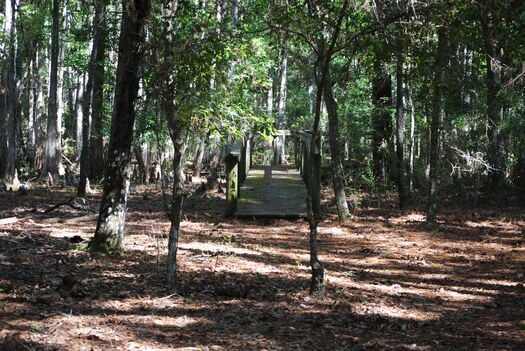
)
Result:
{"points": [[112, 216], [96, 143], [435, 124], [92, 92], [10, 102], [400, 129], [493, 59], [281, 106], [336, 161], [53, 150], [381, 119]]}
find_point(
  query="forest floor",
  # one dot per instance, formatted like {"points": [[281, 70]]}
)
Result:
{"points": [[393, 283]]}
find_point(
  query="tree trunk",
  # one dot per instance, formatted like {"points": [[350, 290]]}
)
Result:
{"points": [[11, 96], [96, 143], [79, 117], [177, 133], [199, 156], [412, 140], [496, 147], [400, 130], [53, 156], [279, 151], [435, 124], [111, 220], [85, 157], [335, 150], [317, 283], [381, 120]]}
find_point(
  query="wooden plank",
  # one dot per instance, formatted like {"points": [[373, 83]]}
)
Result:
{"points": [[272, 192]]}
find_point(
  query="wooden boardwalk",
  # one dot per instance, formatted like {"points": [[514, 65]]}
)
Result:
{"points": [[272, 191]]}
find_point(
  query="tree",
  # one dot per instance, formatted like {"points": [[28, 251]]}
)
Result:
{"points": [[93, 92], [400, 129], [10, 96], [53, 153], [435, 126], [338, 176], [493, 59], [112, 215]]}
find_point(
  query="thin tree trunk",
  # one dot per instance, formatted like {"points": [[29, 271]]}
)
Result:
{"points": [[199, 156], [11, 95], [435, 124], [412, 139], [317, 283], [89, 92], [96, 137], [279, 152], [53, 156], [79, 115], [335, 150], [400, 130], [496, 148], [177, 133], [111, 220], [381, 120]]}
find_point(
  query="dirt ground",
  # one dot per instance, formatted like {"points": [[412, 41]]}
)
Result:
{"points": [[393, 283]]}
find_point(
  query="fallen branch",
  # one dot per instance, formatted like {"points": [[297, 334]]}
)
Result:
{"points": [[71, 203], [8, 220]]}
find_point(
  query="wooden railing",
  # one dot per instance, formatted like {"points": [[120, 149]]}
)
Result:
{"points": [[238, 164]]}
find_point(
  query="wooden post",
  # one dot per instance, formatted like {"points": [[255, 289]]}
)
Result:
{"points": [[248, 154], [316, 178], [242, 162], [232, 183]]}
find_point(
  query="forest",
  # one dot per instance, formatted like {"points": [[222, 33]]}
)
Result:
{"points": [[262, 175]]}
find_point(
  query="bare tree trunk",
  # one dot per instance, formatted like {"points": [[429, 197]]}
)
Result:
{"points": [[11, 95], [111, 220], [381, 120], [496, 149], [53, 156], [177, 133], [79, 114], [85, 158], [400, 130], [279, 151], [335, 150], [317, 283], [96, 143], [199, 156], [412, 139], [435, 126]]}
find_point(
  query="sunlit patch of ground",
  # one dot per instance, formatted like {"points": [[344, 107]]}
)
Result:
{"points": [[393, 283]]}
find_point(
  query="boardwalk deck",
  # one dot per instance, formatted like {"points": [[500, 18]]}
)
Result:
{"points": [[272, 191]]}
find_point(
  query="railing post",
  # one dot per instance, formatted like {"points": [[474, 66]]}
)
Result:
{"points": [[232, 182], [316, 177]]}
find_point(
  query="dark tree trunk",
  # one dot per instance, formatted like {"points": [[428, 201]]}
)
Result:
{"points": [[496, 148], [111, 220], [435, 124], [96, 144], [381, 120], [335, 150], [96, 59], [11, 97], [177, 133], [324, 52], [53, 154], [400, 131], [279, 149], [199, 156]]}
